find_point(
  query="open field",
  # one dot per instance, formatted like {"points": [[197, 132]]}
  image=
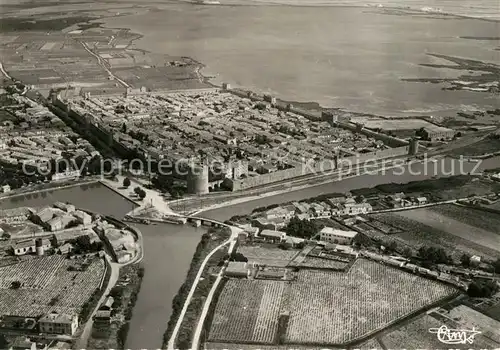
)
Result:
{"points": [[47, 285], [268, 256], [247, 311], [417, 234], [472, 216], [415, 334], [335, 308], [485, 146], [445, 223], [467, 317]]}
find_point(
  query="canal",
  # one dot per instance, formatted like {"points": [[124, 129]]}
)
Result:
{"points": [[169, 248]]}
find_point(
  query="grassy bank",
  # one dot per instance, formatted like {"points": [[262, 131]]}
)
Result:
{"points": [[113, 335], [209, 241]]}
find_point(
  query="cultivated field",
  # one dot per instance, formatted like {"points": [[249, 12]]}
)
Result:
{"points": [[247, 311], [467, 317], [335, 307], [416, 335], [323, 263], [417, 234], [268, 256], [471, 216], [47, 285], [463, 228]]}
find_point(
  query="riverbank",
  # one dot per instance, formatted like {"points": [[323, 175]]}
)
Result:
{"points": [[188, 303], [113, 335], [47, 188]]}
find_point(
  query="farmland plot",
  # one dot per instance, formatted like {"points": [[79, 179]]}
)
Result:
{"points": [[268, 256], [418, 234], [335, 307], [323, 263], [469, 318], [416, 335], [247, 311], [47, 285], [462, 228], [471, 216]]}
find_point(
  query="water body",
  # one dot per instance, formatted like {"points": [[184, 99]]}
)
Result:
{"points": [[346, 57], [169, 248]]}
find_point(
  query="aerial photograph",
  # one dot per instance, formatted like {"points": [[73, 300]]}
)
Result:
{"points": [[249, 174]]}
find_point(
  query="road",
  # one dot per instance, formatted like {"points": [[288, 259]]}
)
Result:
{"points": [[4, 72], [103, 65], [195, 344], [82, 341], [231, 241]]}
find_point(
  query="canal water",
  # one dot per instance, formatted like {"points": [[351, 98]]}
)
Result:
{"points": [[169, 248]]}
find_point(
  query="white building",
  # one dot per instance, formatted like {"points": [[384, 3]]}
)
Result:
{"points": [[4, 189], [82, 217], [68, 175], [55, 323], [273, 235], [332, 235]]}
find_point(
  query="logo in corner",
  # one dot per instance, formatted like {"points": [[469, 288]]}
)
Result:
{"points": [[455, 336]]}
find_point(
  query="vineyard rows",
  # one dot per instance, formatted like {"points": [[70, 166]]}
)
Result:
{"points": [[247, 311], [323, 263], [333, 308], [63, 291], [33, 274]]}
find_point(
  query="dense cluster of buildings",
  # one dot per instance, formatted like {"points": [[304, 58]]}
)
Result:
{"points": [[120, 241], [278, 217], [234, 142], [33, 137]]}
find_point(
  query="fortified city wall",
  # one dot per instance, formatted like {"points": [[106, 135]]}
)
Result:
{"points": [[314, 168]]}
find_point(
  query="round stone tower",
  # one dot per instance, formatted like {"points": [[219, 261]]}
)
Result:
{"points": [[197, 179], [413, 148]]}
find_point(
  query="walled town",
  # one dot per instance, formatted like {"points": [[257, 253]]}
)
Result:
{"points": [[372, 268]]}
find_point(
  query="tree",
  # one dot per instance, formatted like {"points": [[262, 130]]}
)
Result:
{"points": [[482, 289], [126, 182], [496, 266], [432, 255], [236, 257], [142, 194], [392, 247], [301, 228], [137, 190], [407, 252], [465, 260], [15, 285], [4, 344]]}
